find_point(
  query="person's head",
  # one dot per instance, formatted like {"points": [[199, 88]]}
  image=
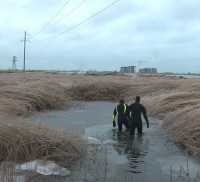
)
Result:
{"points": [[121, 101], [137, 99]]}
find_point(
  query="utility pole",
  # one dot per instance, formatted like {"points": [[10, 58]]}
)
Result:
{"points": [[25, 40]]}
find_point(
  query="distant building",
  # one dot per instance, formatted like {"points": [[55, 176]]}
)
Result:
{"points": [[128, 69], [148, 70]]}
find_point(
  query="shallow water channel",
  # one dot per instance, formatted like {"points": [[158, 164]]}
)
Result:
{"points": [[151, 158]]}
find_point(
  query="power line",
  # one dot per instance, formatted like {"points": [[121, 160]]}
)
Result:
{"points": [[87, 19], [90, 17], [52, 18], [76, 8]]}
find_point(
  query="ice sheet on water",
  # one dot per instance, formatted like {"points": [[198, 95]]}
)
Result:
{"points": [[95, 141], [109, 142], [47, 168]]}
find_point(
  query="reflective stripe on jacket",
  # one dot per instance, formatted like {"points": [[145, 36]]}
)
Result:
{"points": [[117, 112]]}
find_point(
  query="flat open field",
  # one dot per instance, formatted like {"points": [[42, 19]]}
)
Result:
{"points": [[174, 100]]}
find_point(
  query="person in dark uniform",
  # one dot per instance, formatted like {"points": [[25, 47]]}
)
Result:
{"points": [[127, 118], [120, 111], [136, 110]]}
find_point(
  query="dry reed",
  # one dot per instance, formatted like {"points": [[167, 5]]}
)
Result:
{"points": [[24, 141], [174, 100]]}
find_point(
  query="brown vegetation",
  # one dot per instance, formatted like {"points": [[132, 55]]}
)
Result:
{"points": [[174, 100], [21, 140], [24, 141]]}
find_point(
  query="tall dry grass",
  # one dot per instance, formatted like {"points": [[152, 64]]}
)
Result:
{"points": [[24, 141], [174, 100], [20, 140]]}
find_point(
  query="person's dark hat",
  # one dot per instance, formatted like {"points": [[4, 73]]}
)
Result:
{"points": [[121, 101], [137, 99]]}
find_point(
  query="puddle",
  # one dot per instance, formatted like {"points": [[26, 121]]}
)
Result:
{"points": [[153, 157]]}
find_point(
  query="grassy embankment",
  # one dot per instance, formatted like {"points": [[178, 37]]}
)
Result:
{"points": [[20, 139], [174, 100]]}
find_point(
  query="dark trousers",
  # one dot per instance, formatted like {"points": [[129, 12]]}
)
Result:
{"points": [[121, 120], [126, 122], [138, 126]]}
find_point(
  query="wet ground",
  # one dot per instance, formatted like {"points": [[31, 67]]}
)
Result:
{"points": [[121, 158]]}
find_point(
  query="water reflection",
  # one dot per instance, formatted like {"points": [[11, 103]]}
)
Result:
{"points": [[134, 148], [40, 178]]}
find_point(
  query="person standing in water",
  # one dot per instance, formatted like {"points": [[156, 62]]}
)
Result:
{"points": [[136, 110], [120, 111]]}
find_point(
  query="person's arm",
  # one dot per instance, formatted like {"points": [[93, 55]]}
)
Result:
{"points": [[128, 111], [144, 112], [114, 113]]}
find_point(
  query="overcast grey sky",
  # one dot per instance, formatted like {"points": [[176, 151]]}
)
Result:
{"points": [[156, 33]]}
